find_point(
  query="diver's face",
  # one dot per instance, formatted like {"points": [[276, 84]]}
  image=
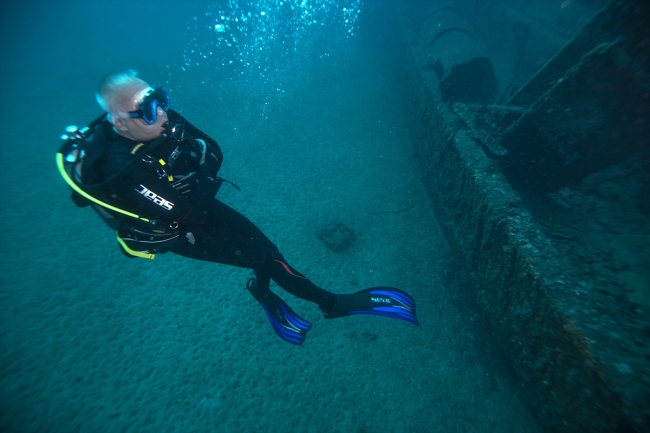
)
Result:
{"points": [[137, 129]]}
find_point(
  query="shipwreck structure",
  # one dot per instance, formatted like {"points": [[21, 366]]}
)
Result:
{"points": [[531, 124]]}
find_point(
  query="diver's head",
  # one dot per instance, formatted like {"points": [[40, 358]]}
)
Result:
{"points": [[136, 110]]}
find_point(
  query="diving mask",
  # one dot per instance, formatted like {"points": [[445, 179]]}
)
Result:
{"points": [[148, 110]]}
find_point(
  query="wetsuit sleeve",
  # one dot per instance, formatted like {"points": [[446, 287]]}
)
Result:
{"points": [[141, 191]]}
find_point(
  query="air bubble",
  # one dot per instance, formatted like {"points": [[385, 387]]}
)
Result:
{"points": [[278, 41]]}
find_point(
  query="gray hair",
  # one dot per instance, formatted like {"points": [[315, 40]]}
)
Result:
{"points": [[111, 89]]}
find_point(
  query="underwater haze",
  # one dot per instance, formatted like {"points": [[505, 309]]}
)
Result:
{"points": [[306, 100]]}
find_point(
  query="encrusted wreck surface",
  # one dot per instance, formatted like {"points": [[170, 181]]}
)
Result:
{"points": [[555, 233]]}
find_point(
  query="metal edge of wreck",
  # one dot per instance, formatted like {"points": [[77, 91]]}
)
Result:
{"points": [[524, 285]]}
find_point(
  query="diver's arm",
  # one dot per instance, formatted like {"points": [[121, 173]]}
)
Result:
{"points": [[143, 193], [154, 197]]}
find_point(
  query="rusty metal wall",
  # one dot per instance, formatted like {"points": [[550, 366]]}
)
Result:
{"points": [[532, 226]]}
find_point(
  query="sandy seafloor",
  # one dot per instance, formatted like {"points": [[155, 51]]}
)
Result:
{"points": [[92, 341]]}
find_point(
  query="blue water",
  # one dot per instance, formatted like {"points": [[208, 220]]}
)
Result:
{"points": [[306, 102]]}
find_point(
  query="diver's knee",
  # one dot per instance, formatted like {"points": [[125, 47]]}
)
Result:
{"points": [[275, 254], [271, 257]]}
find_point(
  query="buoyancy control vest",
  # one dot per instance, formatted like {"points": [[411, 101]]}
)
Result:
{"points": [[82, 161]]}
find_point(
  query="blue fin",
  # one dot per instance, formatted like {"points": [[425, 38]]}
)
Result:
{"points": [[285, 322], [377, 301]]}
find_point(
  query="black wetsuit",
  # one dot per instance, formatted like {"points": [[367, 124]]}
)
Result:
{"points": [[166, 180]]}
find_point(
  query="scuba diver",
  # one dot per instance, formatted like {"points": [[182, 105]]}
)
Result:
{"points": [[152, 177]]}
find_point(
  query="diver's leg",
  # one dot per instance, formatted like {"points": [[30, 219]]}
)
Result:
{"points": [[273, 265], [295, 283], [230, 238]]}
